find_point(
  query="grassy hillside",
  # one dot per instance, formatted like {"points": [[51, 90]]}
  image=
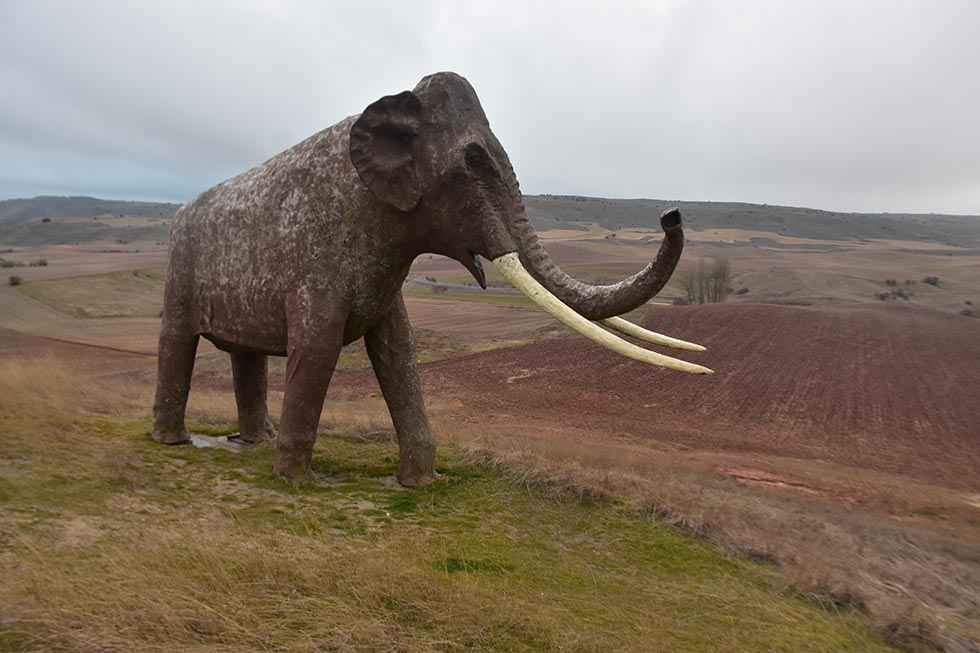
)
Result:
{"points": [[136, 293], [568, 210], [109, 542], [66, 231], [65, 220]]}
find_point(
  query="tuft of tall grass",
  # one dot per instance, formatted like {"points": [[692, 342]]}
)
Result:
{"points": [[47, 388]]}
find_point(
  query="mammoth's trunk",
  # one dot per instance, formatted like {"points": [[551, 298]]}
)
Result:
{"points": [[600, 302], [574, 304]]}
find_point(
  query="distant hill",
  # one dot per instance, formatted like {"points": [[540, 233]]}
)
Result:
{"points": [[570, 210], [20, 211], [51, 220], [19, 218]]}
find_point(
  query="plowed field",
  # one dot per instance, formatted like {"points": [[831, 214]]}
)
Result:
{"points": [[894, 389]]}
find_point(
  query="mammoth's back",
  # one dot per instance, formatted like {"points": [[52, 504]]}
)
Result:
{"points": [[248, 240]]}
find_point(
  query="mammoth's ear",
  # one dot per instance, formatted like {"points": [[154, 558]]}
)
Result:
{"points": [[383, 147]]}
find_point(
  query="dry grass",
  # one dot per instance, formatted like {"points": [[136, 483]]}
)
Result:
{"points": [[230, 590], [44, 389], [133, 293], [920, 584], [109, 542]]}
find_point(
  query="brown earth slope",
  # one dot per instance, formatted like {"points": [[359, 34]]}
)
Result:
{"points": [[893, 389]]}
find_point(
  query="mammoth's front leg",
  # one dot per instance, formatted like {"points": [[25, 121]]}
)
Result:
{"points": [[391, 348], [316, 335]]}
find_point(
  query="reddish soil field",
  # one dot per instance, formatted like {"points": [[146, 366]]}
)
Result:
{"points": [[891, 389]]}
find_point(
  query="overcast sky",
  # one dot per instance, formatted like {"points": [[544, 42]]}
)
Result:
{"points": [[858, 106]]}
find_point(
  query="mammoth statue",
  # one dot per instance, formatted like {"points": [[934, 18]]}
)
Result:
{"points": [[308, 252]]}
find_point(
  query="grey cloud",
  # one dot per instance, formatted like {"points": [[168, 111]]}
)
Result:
{"points": [[854, 106]]}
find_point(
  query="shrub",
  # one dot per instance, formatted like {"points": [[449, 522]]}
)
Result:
{"points": [[705, 285], [680, 301], [14, 280], [968, 312], [932, 281], [741, 291], [891, 282], [40, 263], [46, 220], [898, 293]]}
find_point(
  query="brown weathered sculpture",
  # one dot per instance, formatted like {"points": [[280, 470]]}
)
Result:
{"points": [[308, 252]]}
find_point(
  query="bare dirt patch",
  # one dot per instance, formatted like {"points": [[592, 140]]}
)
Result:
{"points": [[766, 479], [79, 532]]}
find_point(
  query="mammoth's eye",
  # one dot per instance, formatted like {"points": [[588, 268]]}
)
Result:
{"points": [[478, 160]]}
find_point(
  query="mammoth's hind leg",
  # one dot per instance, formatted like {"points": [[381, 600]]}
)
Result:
{"points": [[391, 347], [175, 364], [250, 373]]}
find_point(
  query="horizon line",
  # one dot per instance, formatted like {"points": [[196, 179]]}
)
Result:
{"points": [[559, 196]]}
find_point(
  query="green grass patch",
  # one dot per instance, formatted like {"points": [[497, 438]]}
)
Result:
{"points": [[470, 566]]}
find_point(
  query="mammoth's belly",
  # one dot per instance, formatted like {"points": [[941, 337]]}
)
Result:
{"points": [[234, 323]]}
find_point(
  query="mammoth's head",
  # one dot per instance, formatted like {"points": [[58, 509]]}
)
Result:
{"points": [[430, 154]]}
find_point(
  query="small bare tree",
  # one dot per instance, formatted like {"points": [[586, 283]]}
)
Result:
{"points": [[708, 285]]}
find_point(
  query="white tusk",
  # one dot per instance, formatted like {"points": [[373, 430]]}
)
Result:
{"points": [[638, 332], [510, 267]]}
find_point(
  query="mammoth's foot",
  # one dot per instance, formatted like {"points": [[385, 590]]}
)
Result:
{"points": [[170, 437], [416, 466], [248, 437], [415, 480], [292, 465]]}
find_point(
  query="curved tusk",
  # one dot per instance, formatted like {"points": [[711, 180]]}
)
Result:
{"points": [[510, 267], [638, 332]]}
